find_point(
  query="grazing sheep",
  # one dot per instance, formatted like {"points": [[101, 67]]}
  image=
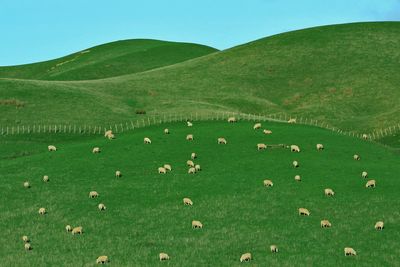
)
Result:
{"points": [[232, 119], [261, 146], [274, 248], [93, 194], [42, 211], [26, 184], [365, 136], [329, 192], [189, 137], [197, 224], [147, 140], [167, 167], [163, 256], [52, 148], [96, 150], [297, 178], [267, 131], [189, 124], [364, 174], [102, 260], [162, 170], [320, 147], [25, 239], [45, 178], [303, 211], [379, 225], [295, 164], [77, 230], [101, 206], [370, 183], [356, 157], [166, 131], [193, 155], [349, 252], [111, 136], [108, 133], [294, 148], [257, 126], [222, 140], [325, 224], [268, 183], [28, 246], [190, 163], [187, 201], [118, 174], [68, 228], [192, 170], [197, 167], [245, 257], [292, 121]]}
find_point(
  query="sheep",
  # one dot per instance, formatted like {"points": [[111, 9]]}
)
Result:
{"points": [[295, 164], [356, 157], [304, 211], [320, 147], [222, 141], [167, 167], [197, 167], [261, 146], [193, 155], [187, 201], [118, 174], [257, 126], [111, 136], [294, 148], [297, 178], [102, 260], [370, 183], [68, 228], [364, 174], [45, 178], [329, 192], [197, 224], [365, 136], [190, 163], [163, 256], [192, 170], [93, 194], [25, 239], [268, 183], [101, 207], [27, 185], [166, 131], [108, 133], [96, 150], [52, 148], [28, 246], [349, 252], [292, 120], [162, 170], [265, 131], [379, 225], [42, 211], [245, 257], [189, 124], [274, 248], [77, 230], [189, 137], [232, 119], [325, 224], [147, 140]]}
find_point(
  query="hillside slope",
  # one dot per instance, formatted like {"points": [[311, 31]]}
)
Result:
{"points": [[109, 60]]}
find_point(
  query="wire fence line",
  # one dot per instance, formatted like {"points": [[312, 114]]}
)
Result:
{"points": [[148, 120]]}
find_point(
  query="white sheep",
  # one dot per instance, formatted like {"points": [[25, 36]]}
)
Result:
{"points": [[167, 167], [197, 167], [118, 174], [232, 119], [274, 248], [379, 225], [257, 126], [356, 157], [163, 256], [166, 131], [292, 120], [189, 137], [349, 252], [295, 148], [25, 239], [364, 174], [295, 164], [108, 133], [370, 183], [147, 140], [193, 155], [52, 148], [77, 230], [27, 246], [189, 124], [325, 224], [265, 131], [111, 136], [320, 147], [297, 178], [329, 192], [192, 170], [261, 146], [102, 260], [27, 185], [222, 141], [187, 201], [197, 224], [42, 211], [162, 170], [68, 228], [365, 136], [101, 207], [245, 257], [190, 163], [45, 178], [93, 194], [96, 150], [268, 183], [304, 211]]}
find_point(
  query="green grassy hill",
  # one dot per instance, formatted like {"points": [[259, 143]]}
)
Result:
{"points": [[145, 214], [109, 60], [345, 75]]}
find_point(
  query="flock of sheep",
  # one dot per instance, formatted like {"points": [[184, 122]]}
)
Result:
{"points": [[193, 168]]}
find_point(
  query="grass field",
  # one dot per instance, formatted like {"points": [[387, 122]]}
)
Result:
{"points": [[145, 214]]}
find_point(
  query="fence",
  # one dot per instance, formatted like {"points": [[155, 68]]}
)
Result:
{"points": [[149, 120]]}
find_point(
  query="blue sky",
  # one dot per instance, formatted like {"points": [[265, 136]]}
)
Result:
{"points": [[37, 30]]}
